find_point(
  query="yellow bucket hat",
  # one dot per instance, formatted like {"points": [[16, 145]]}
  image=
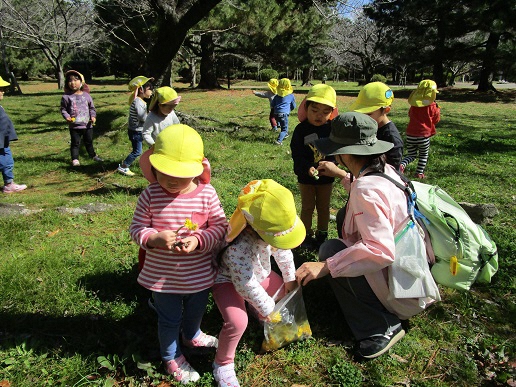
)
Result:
{"points": [[273, 85], [284, 87], [269, 208], [373, 96], [3, 83], [137, 82], [162, 95], [320, 93], [424, 95], [178, 152]]}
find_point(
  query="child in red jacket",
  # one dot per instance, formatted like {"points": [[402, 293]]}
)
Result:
{"points": [[424, 113]]}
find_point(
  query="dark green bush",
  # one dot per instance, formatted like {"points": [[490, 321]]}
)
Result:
{"points": [[267, 74], [378, 78]]}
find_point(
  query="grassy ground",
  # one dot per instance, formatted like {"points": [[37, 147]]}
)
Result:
{"points": [[72, 314]]}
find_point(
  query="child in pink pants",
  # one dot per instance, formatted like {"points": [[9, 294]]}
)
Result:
{"points": [[264, 223]]}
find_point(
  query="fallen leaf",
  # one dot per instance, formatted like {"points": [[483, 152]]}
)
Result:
{"points": [[51, 234]]}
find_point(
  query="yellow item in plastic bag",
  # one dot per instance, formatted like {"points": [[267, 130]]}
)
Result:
{"points": [[288, 323]]}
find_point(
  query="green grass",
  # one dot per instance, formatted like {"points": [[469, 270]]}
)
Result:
{"points": [[72, 314]]}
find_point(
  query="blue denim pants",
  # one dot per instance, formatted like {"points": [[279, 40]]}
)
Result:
{"points": [[7, 165], [282, 119], [136, 139], [178, 314]]}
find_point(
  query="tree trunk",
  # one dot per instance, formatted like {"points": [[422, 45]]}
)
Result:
{"points": [[193, 71], [307, 76], [485, 82], [173, 28], [208, 76]]}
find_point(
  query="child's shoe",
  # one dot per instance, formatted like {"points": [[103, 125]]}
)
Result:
{"points": [[278, 142], [97, 159], [420, 175], [274, 128], [225, 375], [76, 163], [202, 340], [13, 187], [181, 370], [125, 171]]}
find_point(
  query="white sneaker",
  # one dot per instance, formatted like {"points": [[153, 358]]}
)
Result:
{"points": [[181, 370], [225, 375], [125, 171]]}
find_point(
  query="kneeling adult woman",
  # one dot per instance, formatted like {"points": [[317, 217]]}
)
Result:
{"points": [[357, 265]]}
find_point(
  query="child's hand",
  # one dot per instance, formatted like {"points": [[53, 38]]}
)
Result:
{"points": [[93, 120], [314, 173], [70, 119], [163, 239], [289, 286], [186, 245]]}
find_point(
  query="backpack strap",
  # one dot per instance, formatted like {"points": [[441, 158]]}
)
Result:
{"points": [[409, 190]]}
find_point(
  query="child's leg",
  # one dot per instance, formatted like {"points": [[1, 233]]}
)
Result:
{"points": [[322, 203], [232, 307], [88, 142], [194, 308], [283, 121], [75, 142], [7, 165], [411, 150], [136, 139], [170, 312], [423, 147], [272, 120], [308, 197], [272, 284]]}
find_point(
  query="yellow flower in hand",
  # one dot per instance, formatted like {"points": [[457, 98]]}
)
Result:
{"points": [[191, 225]]}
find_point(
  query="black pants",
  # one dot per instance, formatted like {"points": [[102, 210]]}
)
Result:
{"points": [[363, 311], [75, 142]]}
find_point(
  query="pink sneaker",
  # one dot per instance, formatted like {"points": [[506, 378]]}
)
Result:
{"points": [[202, 340], [181, 370], [13, 187], [225, 375], [75, 163]]}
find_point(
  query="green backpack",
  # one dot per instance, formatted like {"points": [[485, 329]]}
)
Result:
{"points": [[464, 252]]}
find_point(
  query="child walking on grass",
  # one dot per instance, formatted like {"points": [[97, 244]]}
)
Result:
{"points": [[180, 223], [283, 103], [7, 134], [141, 89], [270, 94], [78, 110], [424, 114], [161, 113], [264, 224], [315, 114]]}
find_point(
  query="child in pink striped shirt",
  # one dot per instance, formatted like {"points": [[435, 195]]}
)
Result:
{"points": [[180, 223]]}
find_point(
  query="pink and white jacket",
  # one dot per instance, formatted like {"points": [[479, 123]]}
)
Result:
{"points": [[375, 210]]}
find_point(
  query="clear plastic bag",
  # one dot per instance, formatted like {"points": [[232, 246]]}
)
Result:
{"points": [[289, 322], [409, 274]]}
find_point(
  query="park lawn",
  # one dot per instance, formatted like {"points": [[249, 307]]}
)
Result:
{"points": [[72, 314]]}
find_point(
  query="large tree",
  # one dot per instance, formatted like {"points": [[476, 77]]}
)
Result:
{"points": [[166, 22], [424, 32], [54, 27]]}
